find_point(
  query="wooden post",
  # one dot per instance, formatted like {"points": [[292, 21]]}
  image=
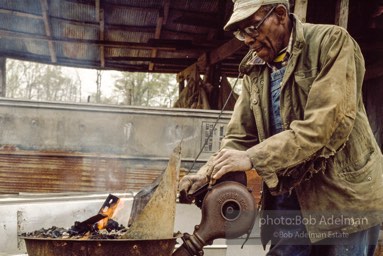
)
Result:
{"points": [[48, 29], [181, 86], [161, 20], [2, 77], [102, 37], [98, 84], [341, 13], [300, 9]]}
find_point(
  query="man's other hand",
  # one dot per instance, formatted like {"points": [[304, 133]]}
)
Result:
{"points": [[189, 184]]}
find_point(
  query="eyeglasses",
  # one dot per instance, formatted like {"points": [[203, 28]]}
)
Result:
{"points": [[252, 31]]}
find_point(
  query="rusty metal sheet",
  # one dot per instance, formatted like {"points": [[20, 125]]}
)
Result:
{"points": [[60, 147], [156, 219], [73, 172]]}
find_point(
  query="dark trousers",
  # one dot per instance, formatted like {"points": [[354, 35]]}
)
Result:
{"points": [[289, 238], [362, 243]]}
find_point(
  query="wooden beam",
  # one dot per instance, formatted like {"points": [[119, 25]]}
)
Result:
{"points": [[166, 11], [21, 14], [102, 35], [117, 44], [191, 70], [224, 51], [116, 65], [213, 57], [341, 13], [156, 60], [48, 29], [300, 9], [97, 9], [3, 83], [157, 33]]}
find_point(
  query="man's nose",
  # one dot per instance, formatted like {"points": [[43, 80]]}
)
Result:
{"points": [[249, 40]]}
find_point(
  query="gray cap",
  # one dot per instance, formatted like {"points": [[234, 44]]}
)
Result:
{"points": [[245, 8]]}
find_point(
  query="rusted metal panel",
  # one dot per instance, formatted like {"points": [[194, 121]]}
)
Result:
{"points": [[52, 147], [146, 222], [23, 172]]}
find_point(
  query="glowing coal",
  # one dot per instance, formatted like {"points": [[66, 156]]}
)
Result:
{"points": [[100, 226]]}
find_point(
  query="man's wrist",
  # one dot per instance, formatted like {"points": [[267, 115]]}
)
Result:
{"points": [[251, 162]]}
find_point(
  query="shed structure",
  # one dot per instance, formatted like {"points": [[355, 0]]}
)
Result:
{"points": [[184, 37]]}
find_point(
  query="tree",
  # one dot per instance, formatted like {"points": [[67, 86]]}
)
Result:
{"points": [[29, 80], [34, 81], [146, 89]]}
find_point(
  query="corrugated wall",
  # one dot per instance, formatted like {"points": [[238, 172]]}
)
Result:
{"points": [[53, 147]]}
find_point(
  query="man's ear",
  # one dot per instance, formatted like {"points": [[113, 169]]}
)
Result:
{"points": [[281, 12]]}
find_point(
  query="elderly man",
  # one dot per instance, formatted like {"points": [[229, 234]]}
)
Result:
{"points": [[301, 125]]}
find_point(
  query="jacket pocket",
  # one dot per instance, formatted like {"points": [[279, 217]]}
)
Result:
{"points": [[360, 170], [358, 153]]}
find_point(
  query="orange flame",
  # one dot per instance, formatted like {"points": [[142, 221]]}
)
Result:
{"points": [[109, 212]]}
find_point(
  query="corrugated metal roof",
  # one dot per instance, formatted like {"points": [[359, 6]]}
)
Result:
{"points": [[128, 35], [146, 35]]}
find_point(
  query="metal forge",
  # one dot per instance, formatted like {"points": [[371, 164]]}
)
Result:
{"points": [[228, 211]]}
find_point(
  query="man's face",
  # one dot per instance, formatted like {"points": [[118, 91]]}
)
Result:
{"points": [[265, 33]]}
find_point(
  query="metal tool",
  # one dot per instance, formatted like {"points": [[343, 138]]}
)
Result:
{"points": [[228, 211]]}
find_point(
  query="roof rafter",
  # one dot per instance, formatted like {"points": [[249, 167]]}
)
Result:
{"points": [[101, 20], [161, 20], [214, 57], [21, 14], [160, 45], [48, 29], [103, 33]]}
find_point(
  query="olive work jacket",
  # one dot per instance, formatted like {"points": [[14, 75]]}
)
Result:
{"points": [[326, 151]]}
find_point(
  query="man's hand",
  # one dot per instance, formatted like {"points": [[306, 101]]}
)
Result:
{"points": [[228, 160], [189, 184]]}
